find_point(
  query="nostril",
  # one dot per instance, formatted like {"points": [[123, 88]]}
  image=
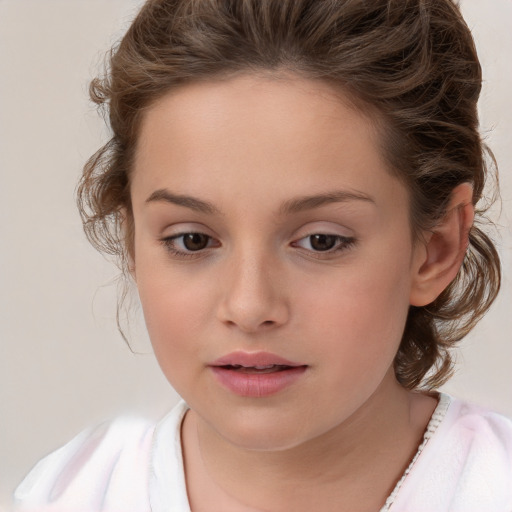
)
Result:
{"points": [[252, 311]]}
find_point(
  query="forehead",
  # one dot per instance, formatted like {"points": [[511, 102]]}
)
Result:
{"points": [[253, 105], [258, 135]]}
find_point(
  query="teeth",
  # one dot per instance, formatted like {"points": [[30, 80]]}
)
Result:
{"points": [[265, 367], [257, 369], [261, 369]]}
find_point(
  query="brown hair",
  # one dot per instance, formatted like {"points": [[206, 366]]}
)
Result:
{"points": [[412, 61]]}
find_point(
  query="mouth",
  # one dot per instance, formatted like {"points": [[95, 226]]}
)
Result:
{"points": [[256, 375], [258, 370], [257, 360]]}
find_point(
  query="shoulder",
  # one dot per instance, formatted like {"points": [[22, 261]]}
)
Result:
{"points": [[102, 468], [466, 465], [482, 434]]}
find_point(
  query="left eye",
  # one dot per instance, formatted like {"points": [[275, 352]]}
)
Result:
{"points": [[320, 242]]}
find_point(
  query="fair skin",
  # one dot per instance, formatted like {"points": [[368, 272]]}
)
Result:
{"points": [[324, 282]]}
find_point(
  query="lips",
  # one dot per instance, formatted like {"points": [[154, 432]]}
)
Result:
{"points": [[271, 368], [254, 360], [257, 374]]}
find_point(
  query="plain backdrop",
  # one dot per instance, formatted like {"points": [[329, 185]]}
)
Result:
{"points": [[63, 365]]}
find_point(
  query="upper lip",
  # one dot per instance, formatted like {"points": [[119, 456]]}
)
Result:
{"points": [[252, 359]]}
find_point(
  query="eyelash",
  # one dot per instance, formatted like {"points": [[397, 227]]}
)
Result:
{"points": [[169, 244], [343, 243]]}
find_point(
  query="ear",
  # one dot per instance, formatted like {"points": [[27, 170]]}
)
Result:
{"points": [[437, 262]]}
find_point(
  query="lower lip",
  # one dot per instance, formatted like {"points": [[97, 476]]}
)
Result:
{"points": [[257, 384]]}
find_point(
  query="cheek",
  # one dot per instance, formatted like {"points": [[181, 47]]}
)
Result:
{"points": [[174, 318], [175, 312], [359, 316]]}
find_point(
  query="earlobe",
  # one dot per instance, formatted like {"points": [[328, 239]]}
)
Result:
{"points": [[444, 249]]}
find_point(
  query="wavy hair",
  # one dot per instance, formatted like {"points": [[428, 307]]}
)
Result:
{"points": [[412, 62]]}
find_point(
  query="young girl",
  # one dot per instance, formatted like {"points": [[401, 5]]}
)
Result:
{"points": [[293, 187]]}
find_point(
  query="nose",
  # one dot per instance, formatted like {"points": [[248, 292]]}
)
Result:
{"points": [[253, 294]]}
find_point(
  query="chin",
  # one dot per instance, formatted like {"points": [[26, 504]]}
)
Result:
{"points": [[274, 440], [267, 431]]}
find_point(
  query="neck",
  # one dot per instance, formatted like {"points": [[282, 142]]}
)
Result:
{"points": [[358, 461]]}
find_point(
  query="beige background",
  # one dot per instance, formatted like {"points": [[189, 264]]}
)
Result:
{"points": [[62, 364]]}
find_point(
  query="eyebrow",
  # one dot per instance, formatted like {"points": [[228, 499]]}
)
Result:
{"points": [[163, 195], [294, 205], [300, 204]]}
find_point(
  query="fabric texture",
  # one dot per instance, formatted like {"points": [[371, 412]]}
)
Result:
{"points": [[463, 465]]}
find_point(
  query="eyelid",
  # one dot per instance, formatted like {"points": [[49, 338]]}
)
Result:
{"points": [[170, 246], [343, 243], [182, 228], [183, 234], [345, 239], [323, 228]]}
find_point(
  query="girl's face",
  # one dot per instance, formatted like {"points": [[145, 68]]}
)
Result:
{"points": [[273, 256]]}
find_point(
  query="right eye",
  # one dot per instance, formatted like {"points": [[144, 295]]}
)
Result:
{"points": [[186, 244]]}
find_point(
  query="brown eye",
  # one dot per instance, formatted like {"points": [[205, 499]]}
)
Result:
{"points": [[189, 245], [325, 245], [195, 241], [323, 242]]}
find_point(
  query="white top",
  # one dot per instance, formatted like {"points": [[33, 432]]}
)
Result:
{"points": [[464, 464]]}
